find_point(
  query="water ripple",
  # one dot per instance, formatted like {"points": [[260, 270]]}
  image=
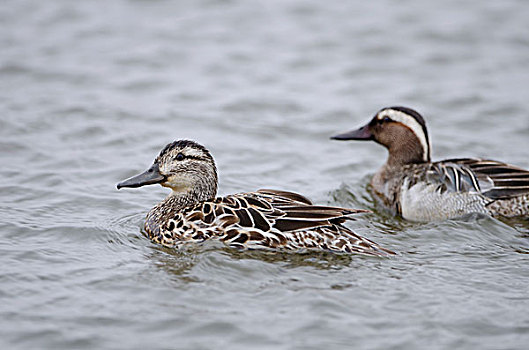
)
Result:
{"points": [[89, 95]]}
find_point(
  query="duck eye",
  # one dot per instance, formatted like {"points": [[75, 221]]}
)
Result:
{"points": [[180, 156], [386, 119]]}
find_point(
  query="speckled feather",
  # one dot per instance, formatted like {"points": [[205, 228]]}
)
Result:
{"points": [[266, 219]]}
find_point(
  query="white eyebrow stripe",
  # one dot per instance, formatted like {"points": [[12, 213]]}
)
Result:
{"points": [[411, 123], [193, 152]]}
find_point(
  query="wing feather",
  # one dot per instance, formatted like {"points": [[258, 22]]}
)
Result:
{"points": [[285, 195], [493, 179], [271, 219]]}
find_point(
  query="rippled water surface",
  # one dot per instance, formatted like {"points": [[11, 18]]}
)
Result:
{"points": [[90, 91]]}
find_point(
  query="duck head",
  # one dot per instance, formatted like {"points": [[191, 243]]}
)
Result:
{"points": [[184, 166], [401, 130]]}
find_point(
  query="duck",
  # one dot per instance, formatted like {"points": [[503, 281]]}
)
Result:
{"points": [[410, 185], [265, 219]]}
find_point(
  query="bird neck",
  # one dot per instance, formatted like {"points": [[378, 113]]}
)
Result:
{"points": [[407, 151]]}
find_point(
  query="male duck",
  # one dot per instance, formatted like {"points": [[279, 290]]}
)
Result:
{"points": [[266, 219], [419, 190]]}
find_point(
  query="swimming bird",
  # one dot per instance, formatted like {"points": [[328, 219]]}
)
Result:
{"points": [[416, 188], [265, 219]]}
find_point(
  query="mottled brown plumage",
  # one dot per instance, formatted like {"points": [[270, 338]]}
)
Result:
{"points": [[266, 219]]}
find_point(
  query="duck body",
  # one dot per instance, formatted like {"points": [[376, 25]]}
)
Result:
{"points": [[265, 219], [412, 186], [452, 188]]}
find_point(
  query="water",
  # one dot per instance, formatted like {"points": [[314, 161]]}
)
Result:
{"points": [[90, 92]]}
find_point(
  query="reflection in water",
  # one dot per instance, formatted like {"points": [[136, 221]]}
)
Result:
{"points": [[89, 92], [176, 262], [180, 261]]}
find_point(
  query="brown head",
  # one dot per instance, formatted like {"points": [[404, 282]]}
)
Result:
{"points": [[401, 130], [184, 166]]}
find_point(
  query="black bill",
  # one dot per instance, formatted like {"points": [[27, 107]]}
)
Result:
{"points": [[149, 177], [359, 134]]}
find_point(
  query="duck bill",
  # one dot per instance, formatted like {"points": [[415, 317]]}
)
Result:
{"points": [[149, 177], [362, 133], [359, 134]]}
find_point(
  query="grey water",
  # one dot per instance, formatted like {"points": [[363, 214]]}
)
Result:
{"points": [[90, 91]]}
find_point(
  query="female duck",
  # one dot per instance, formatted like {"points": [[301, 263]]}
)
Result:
{"points": [[419, 190], [266, 219]]}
